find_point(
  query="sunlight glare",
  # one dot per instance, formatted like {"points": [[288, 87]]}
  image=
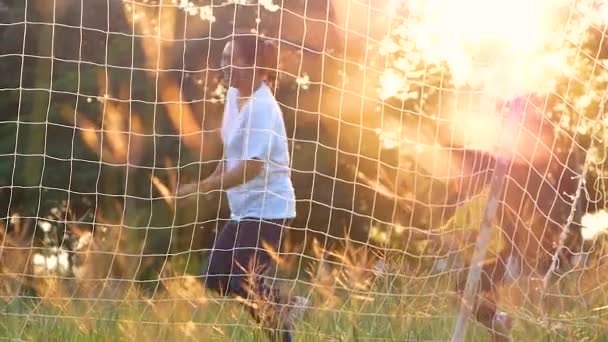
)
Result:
{"points": [[505, 48]]}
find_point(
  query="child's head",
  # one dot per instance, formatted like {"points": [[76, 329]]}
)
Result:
{"points": [[247, 58]]}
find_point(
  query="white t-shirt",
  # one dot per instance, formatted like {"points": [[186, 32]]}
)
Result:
{"points": [[258, 132]]}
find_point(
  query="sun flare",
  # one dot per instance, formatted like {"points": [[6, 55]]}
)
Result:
{"points": [[505, 48]]}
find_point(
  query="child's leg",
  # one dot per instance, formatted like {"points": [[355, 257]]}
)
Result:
{"points": [[217, 274], [257, 243], [237, 264]]}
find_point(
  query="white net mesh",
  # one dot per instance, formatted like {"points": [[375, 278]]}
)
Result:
{"points": [[399, 115]]}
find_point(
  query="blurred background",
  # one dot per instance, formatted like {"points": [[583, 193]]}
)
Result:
{"points": [[107, 106]]}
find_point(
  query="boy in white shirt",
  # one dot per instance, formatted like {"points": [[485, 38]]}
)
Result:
{"points": [[255, 173]]}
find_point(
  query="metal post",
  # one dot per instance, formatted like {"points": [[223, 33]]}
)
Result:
{"points": [[503, 161]]}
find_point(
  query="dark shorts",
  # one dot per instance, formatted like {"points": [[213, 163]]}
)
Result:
{"points": [[244, 250]]}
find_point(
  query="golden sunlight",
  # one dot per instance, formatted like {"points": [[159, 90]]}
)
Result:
{"points": [[505, 48]]}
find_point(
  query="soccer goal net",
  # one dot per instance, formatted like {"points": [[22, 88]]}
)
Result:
{"points": [[447, 159]]}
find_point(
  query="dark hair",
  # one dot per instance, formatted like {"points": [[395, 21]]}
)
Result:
{"points": [[259, 51]]}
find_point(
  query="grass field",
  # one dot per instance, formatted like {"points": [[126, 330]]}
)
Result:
{"points": [[354, 302], [182, 311]]}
